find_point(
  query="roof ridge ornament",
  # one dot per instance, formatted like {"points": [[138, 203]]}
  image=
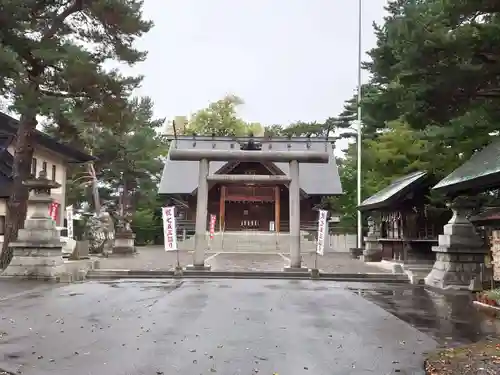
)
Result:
{"points": [[251, 145]]}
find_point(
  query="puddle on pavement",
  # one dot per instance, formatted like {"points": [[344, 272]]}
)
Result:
{"points": [[272, 286], [32, 295], [198, 282], [450, 319], [169, 287], [319, 288]]}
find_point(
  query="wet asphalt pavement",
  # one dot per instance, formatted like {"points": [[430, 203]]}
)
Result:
{"points": [[450, 319], [228, 327]]}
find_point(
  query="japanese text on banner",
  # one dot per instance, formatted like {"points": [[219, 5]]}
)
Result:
{"points": [[169, 228], [213, 219], [69, 219], [54, 210], [320, 246]]}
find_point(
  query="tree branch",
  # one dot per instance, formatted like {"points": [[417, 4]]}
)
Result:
{"points": [[58, 19], [58, 94]]}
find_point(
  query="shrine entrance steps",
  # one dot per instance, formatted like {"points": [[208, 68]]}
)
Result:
{"points": [[252, 242]]}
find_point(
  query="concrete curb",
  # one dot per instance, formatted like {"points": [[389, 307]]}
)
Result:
{"points": [[109, 274]]}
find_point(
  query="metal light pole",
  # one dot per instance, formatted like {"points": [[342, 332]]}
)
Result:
{"points": [[360, 223]]}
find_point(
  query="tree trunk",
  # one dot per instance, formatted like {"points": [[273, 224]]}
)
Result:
{"points": [[128, 207], [95, 188], [17, 204]]}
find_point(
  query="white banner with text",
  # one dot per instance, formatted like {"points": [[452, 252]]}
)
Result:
{"points": [[69, 221], [320, 245], [169, 228]]}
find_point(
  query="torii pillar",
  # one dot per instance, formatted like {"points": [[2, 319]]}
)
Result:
{"points": [[205, 156], [294, 193]]}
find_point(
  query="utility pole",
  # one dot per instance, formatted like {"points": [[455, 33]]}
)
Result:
{"points": [[359, 138]]}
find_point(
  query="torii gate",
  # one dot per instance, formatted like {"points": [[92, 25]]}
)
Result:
{"points": [[207, 155]]}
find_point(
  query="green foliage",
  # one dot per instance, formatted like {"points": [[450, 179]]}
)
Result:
{"points": [[432, 99], [129, 160], [394, 153], [131, 153], [438, 60], [146, 226], [56, 50], [345, 204], [300, 129], [220, 118]]}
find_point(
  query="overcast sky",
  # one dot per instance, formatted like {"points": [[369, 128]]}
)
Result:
{"points": [[289, 60]]}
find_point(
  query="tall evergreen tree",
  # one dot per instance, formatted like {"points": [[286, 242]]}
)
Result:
{"points": [[51, 53]]}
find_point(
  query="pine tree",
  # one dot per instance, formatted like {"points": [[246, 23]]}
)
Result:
{"points": [[51, 56]]}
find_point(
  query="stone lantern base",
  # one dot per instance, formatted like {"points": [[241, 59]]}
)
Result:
{"points": [[459, 254], [124, 243], [373, 250], [37, 252]]}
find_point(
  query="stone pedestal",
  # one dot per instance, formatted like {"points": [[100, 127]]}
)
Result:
{"points": [[68, 247], [355, 252], [37, 253], [124, 243], [373, 250], [459, 254], [81, 250]]}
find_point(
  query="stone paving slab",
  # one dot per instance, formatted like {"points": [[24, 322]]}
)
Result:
{"points": [[148, 258], [246, 262], [340, 263], [155, 258]]}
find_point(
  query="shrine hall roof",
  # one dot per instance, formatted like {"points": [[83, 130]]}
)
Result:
{"points": [[9, 125], [8, 130], [181, 177], [480, 173], [397, 189]]}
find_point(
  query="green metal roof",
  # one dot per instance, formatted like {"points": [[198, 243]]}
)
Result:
{"points": [[392, 192], [481, 172]]}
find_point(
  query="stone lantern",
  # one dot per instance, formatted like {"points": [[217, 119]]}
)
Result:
{"points": [[40, 225], [460, 252], [37, 253], [371, 225], [373, 248]]}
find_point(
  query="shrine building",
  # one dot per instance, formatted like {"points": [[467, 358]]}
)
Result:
{"points": [[250, 206], [49, 155]]}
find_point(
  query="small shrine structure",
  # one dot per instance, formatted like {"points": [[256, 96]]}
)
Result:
{"points": [[403, 226]]}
